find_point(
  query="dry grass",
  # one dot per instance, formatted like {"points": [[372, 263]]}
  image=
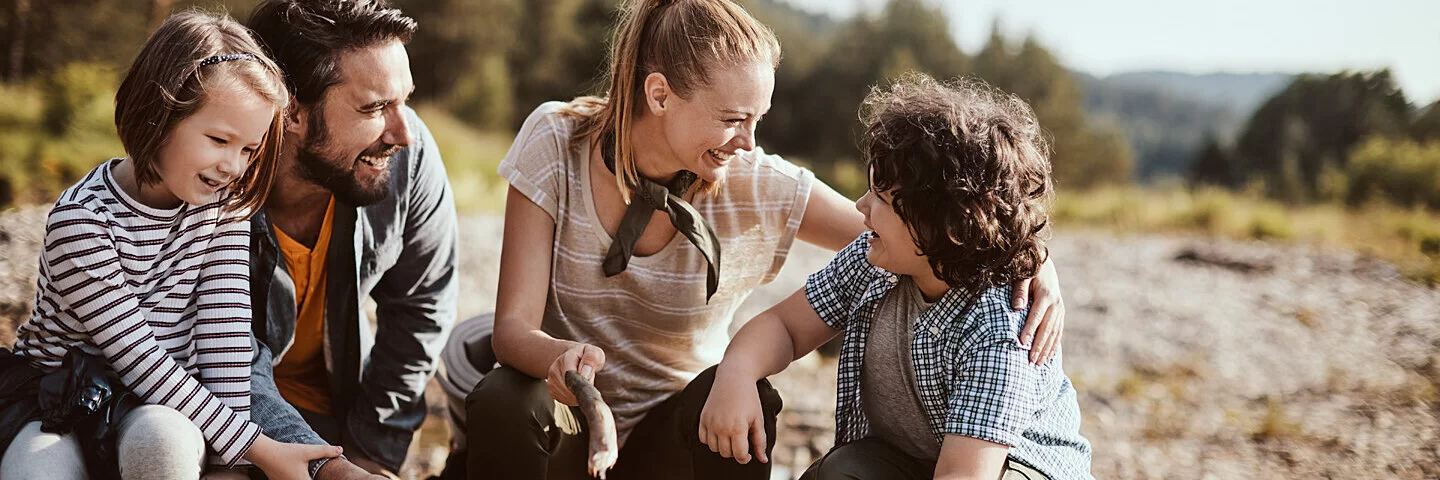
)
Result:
{"points": [[1407, 237]]}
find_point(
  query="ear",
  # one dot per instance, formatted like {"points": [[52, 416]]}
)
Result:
{"points": [[657, 92], [297, 117]]}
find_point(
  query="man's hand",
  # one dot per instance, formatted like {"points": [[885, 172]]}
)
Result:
{"points": [[287, 461], [374, 468], [342, 469]]}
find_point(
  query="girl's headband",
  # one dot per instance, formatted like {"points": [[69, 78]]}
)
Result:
{"points": [[228, 57]]}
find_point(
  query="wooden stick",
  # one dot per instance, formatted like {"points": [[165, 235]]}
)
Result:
{"points": [[600, 422]]}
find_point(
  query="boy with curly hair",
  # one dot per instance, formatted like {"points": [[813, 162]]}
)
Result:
{"points": [[933, 380]]}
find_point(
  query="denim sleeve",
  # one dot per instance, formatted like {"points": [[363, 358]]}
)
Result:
{"points": [[277, 418], [415, 308]]}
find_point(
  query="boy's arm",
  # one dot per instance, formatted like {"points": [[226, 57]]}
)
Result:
{"points": [[770, 341], [967, 458], [731, 422]]}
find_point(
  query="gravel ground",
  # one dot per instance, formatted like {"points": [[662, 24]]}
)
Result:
{"points": [[1195, 358]]}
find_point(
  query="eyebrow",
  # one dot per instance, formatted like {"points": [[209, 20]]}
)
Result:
{"points": [[387, 102]]}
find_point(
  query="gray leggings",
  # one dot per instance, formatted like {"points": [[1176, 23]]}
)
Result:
{"points": [[155, 441]]}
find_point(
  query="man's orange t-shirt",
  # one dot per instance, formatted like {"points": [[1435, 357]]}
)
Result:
{"points": [[301, 374]]}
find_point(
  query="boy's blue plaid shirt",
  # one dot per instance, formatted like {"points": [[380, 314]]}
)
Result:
{"points": [[974, 377]]}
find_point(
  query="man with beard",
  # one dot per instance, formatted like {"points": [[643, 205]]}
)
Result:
{"points": [[360, 207]]}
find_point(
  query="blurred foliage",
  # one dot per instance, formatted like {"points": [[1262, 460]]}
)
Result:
{"points": [[1310, 128], [1401, 171], [1164, 129], [480, 66]]}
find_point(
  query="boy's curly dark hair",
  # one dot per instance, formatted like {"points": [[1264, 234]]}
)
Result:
{"points": [[968, 170]]}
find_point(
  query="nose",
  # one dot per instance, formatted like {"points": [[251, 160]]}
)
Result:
{"points": [[397, 132], [746, 139], [863, 204], [234, 165]]}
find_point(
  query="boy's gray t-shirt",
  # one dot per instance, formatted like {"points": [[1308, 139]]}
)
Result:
{"points": [[887, 379]]}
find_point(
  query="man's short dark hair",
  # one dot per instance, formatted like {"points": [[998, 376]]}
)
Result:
{"points": [[968, 171], [306, 37]]}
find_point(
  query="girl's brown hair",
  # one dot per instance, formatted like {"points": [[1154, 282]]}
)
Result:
{"points": [[685, 40], [169, 81]]}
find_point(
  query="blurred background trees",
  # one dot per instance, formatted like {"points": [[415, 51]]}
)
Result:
{"points": [[1350, 137]]}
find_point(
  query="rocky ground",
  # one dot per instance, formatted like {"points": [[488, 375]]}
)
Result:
{"points": [[1195, 358]]}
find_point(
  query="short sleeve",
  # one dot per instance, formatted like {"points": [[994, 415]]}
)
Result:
{"points": [[995, 391], [535, 164], [791, 184], [835, 290]]}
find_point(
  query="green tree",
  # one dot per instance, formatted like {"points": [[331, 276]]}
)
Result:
{"points": [[1212, 166], [1427, 126], [1313, 125]]}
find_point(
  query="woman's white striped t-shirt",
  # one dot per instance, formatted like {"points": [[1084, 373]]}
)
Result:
{"points": [[163, 295], [652, 320]]}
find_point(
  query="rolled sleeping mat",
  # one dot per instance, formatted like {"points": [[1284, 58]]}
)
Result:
{"points": [[467, 357]]}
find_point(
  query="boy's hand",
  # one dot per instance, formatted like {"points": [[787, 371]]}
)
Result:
{"points": [[582, 358], [287, 461], [732, 420], [1047, 312]]}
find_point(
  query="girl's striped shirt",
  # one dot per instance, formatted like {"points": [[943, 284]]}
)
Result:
{"points": [[161, 294]]}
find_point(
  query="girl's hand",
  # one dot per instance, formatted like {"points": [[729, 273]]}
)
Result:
{"points": [[287, 461], [732, 420], [1047, 312], [582, 358]]}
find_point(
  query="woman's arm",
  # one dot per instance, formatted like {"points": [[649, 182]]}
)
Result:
{"points": [[831, 220], [520, 302]]}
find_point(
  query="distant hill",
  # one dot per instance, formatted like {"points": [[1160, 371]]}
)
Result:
{"points": [[1167, 115], [1240, 91]]}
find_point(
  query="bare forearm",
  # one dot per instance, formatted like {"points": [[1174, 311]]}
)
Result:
{"points": [[761, 348], [529, 350]]}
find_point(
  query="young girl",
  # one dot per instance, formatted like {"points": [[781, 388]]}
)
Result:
{"points": [[145, 264]]}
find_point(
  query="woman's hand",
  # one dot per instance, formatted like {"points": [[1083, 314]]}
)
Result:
{"points": [[287, 461], [732, 420], [1047, 312], [582, 358]]}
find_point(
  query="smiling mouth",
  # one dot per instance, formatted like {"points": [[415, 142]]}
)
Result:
{"points": [[212, 183], [376, 162], [719, 156]]}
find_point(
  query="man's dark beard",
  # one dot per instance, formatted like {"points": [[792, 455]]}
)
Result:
{"points": [[315, 168]]}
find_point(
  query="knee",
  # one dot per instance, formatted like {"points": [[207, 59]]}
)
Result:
{"points": [[39, 455], [770, 401], [159, 438], [839, 466], [508, 397]]}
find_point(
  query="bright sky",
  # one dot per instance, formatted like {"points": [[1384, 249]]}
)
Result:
{"points": [[1239, 36]]}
